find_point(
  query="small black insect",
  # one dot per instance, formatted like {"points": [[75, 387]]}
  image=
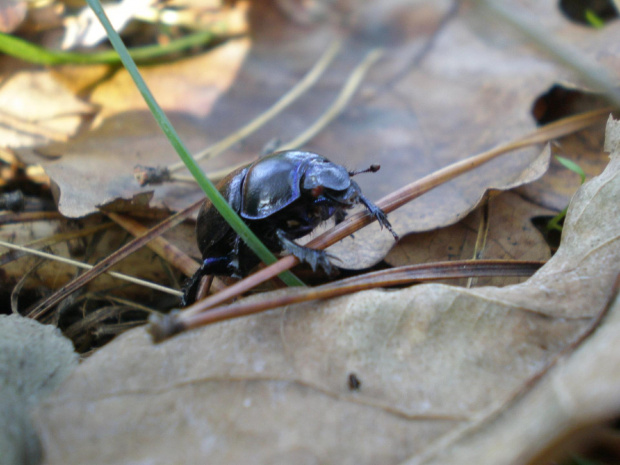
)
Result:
{"points": [[281, 197]]}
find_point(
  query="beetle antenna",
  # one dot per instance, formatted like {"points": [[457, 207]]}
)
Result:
{"points": [[370, 169]]}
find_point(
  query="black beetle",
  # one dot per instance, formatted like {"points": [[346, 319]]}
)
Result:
{"points": [[281, 197]]}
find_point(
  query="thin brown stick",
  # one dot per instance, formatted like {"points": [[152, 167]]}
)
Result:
{"points": [[27, 217], [86, 266], [163, 327], [10, 256], [351, 85], [204, 287], [169, 252], [398, 198], [159, 245], [345, 95], [129, 248], [287, 99]]}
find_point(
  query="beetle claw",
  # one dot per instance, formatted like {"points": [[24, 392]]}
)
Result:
{"points": [[313, 257], [379, 215]]}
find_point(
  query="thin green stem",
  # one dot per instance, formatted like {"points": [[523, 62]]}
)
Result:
{"points": [[207, 186], [32, 53]]}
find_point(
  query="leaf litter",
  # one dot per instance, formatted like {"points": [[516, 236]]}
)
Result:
{"points": [[36, 109], [444, 90], [438, 368], [273, 361], [504, 222]]}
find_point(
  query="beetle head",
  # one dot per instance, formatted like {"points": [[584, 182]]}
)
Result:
{"points": [[324, 178]]}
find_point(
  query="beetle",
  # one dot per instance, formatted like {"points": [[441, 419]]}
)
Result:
{"points": [[281, 197]]}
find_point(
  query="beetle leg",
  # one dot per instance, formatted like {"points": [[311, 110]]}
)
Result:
{"points": [[190, 288], [340, 215], [209, 266], [378, 214], [312, 257]]}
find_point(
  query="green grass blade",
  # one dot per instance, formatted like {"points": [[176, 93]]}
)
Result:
{"points": [[207, 186], [554, 223], [571, 165], [32, 53], [593, 19]]}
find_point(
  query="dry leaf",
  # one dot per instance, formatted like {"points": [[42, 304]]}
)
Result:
{"points": [[97, 168], [35, 359], [430, 365], [510, 236], [85, 30], [557, 186], [581, 391], [36, 109]]}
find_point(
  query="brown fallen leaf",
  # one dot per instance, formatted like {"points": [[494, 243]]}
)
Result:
{"points": [[97, 168], [510, 236], [578, 393], [556, 187], [433, 366], [36, 109]]}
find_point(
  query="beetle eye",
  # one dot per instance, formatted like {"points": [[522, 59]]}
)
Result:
{"points": [[318, 190]]}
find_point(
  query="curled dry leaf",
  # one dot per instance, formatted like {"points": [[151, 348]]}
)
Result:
{"points": [[35, 109], [435, 366], [510, 235], [555, 188]]}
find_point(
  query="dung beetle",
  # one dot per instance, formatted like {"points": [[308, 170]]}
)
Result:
{"points": [[281, 197]]}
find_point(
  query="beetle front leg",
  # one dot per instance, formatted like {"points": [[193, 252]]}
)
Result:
{"points": [[378, 214], [209, 266], [312, 257]]}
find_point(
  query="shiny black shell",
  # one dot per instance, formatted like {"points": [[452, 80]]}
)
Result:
{"points": [[274, 182]]}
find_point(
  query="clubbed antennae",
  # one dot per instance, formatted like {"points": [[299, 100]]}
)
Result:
{"points": [[370, 169]]}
